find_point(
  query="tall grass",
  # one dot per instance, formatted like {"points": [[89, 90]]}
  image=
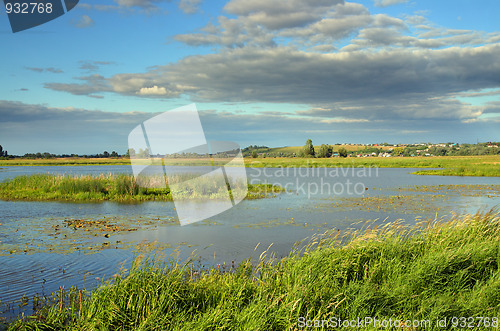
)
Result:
{"points": [[429, 271], [485, 170], [487, 165], [74, 161], [121, 188]]}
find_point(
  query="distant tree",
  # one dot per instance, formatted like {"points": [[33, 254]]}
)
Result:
{"points": [[254, 154], [131, 153], [114, 154], [1, 151], [309, 148], [398, 151], [143, 154], [105, 154], [439, 151], [342, 152], [324, 151]]}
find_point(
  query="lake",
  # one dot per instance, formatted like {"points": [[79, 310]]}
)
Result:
{"points": [[42, 248]]}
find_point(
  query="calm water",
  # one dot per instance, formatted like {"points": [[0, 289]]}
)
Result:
{"points": [[311, 206]]}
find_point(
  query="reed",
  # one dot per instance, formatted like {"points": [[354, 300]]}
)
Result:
{"points": [[430, 271], [119, 188], [486, 165]]}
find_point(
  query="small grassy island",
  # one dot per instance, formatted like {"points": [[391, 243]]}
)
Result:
{"points": [[86, 188], [431, 271]]}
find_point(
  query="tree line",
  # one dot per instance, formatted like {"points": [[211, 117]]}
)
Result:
{"points": [[46, 155], [308, 150], [3, 154]]}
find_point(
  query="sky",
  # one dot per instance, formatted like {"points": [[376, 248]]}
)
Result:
{"points": [[261, 72]]}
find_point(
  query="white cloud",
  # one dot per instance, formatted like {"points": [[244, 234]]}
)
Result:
{"points": [[84, 22], [279, 14], [155, 90], [344, 120], [386, 3], [189, 6], [137, 3], [420, 84]]}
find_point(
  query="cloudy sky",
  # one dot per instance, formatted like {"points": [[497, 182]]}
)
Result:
{"points": [[266, 72]]}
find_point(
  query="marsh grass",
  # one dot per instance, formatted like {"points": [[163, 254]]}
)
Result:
{"points": [[483, 170], [488, 165], [432, 270], [74, 161], [484, 165], [120, 188]]}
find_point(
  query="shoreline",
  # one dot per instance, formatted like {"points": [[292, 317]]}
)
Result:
{"points": [[120, 188], [478, 166], [433, 270]]}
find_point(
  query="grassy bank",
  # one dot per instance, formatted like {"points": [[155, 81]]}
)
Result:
{"points": [[453, 165], [69, 161], [486, 165], [483, 170], [119, 188], [427, 272]]}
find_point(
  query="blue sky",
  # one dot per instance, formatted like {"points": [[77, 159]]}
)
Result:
{"points": [[266, 72]]}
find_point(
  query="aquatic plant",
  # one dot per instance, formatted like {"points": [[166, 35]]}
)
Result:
{"points": [[114, 187], [430, 271]]}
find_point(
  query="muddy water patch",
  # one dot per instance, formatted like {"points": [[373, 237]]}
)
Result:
{"points": [[69, 235], [415, 199]]}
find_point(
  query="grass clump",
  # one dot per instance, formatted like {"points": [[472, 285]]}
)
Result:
{"points": [[483, 170], [486, 165], [429, 271], [119, 188]]}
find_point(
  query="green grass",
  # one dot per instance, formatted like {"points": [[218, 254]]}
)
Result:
{"points": [[429, 271], [119, 188], [73, 161], [484, 170], [453, 165], [486, 165]]}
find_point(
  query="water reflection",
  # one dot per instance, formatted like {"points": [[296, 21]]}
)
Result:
{"points": [[316, 200]]}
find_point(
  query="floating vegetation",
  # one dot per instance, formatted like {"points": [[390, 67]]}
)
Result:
{"points": [[269, 224], [463, 190], [65, 236], [274, 223], [431, 271], [417, 199], [391, 203]]}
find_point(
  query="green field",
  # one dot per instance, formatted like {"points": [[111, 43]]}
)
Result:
{"points": [[431, 271], [119, 188], [488, 165], [453, 165], [76, 161]]}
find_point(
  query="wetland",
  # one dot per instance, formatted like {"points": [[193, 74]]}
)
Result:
{"points": [[45, 245]]}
